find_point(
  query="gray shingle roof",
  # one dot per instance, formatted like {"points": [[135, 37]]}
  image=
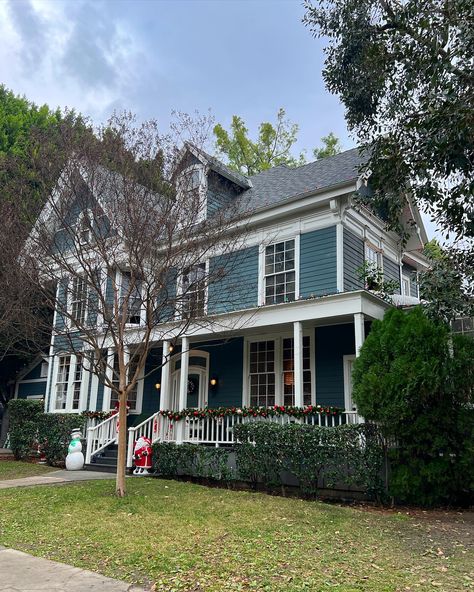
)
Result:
{"points": [[281, 183]]}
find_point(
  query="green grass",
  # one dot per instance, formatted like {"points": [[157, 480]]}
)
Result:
{"points": [[182, 536], [14, 469]]}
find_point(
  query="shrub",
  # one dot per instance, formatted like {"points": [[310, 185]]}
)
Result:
{"points": [[55, 434], [24, 420], [415, 379], [345, 455], [30, 427], [171, 459]]}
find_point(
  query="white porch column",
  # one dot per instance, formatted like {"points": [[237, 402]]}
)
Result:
{"points": [[298, 370], [183, 387], [165, 397], [359, 331]]}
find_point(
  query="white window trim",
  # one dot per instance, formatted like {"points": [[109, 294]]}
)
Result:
{"points": [[347, 361], [406, 278], [70, 384], [378, 250], [278, 339], [202, 189], [69, 322], [86, 212], [178, 313], [261, 266], [108, 390], [119, 283]]}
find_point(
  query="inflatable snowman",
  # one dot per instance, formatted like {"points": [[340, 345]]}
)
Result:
{"points": [[75, 458], [142, 456]]}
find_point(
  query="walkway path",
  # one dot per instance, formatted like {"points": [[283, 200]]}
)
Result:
{"points": [[20, 572], [54, 478]]}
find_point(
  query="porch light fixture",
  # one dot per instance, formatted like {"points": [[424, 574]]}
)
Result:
{"points": [[171, 348], [213, 381], [157, 386]]}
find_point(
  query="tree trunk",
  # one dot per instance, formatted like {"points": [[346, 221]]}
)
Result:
{"points": [[122, 445]]}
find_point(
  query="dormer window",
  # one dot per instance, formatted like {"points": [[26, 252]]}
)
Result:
{"points": [[191, 188], [84, 228]]}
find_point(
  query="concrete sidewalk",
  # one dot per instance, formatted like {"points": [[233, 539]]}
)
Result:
{"points": [[54, 478], [20, 572]]}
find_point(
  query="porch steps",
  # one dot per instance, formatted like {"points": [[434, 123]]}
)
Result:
{"points": [[105, 461]]}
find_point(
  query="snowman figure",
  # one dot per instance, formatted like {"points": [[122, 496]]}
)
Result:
{"points": [[142, 456], [75, 458]]}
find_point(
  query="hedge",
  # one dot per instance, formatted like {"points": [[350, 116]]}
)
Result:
{"points": [[31, 430], [349, 455]]}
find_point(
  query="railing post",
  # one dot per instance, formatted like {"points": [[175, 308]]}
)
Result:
{"points": [[131, 434], [89, 445], [298, 353]]}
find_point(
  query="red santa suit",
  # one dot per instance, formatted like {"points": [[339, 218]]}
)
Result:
{"points": [[142, 456]]}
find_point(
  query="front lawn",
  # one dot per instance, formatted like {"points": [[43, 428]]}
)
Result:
{"points": [[15, 469], [186, 537]]}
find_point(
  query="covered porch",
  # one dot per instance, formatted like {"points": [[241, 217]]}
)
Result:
{"points": [[273, 368]]}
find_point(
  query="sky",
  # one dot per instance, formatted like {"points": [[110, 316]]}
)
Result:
{"points": [[226, 57]]}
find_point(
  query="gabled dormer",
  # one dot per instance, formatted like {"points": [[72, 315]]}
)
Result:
{"points": [[216, 185]]}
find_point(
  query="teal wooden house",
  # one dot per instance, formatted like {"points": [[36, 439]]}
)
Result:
{"points": [[305, 312]]}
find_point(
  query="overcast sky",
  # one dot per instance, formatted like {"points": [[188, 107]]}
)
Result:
{"points": [[243, 57]]}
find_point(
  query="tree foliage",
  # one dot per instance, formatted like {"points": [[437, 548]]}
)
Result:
{"points": [[331, 146], [271, 148], [404, 72], [416, 380]]}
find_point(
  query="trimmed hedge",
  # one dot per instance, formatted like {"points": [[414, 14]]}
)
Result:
{"points": [[349, 455], [31, 428], [24, 421], [170, 459]]}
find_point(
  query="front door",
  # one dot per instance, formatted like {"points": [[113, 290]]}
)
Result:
{"points": [[197, 383]]}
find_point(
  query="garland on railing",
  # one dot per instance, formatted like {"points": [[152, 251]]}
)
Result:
{"points": [[100, 415], [252, 411]]}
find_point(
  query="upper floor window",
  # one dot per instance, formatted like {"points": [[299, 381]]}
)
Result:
{"points": [[84, 227], [193, 290], [131, 290], [373, 255], [78, 300], [406, 291], [191, 188], [133, 396], [279, 276]]}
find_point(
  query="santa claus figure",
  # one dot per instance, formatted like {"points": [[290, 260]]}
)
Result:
{"points": [[142, 456]]}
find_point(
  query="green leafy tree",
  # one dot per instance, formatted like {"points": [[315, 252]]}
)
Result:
{"points": [[403, 71], [271, 148], [331, 147], [416, 380]]}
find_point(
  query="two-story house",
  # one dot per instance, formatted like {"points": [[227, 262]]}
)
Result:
{"points": [[303, 307]]}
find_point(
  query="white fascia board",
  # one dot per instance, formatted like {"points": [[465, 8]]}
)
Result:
{"points": [[416, 259], [328, 308]]}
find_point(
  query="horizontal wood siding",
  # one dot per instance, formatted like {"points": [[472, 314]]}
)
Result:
{"points": [[353, 253], [31, 388], [234, 278], [226, 364], [318, 272], [331, 344], [391, 272]]}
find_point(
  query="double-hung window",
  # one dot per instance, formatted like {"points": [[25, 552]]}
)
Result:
{"points": [[131, 291], [280, 274], [271, 372], [69, 382], [78, 300], [193, 291], [262, 373], [373, 256], [288, 359], [132, 399], [406, 291]]}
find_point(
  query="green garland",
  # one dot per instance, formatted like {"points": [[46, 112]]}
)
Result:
{"points": [[298, 412], [100, 415]]}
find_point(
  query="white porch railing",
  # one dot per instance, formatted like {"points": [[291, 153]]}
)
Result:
{"points": [[218, 431], [100, 436]]}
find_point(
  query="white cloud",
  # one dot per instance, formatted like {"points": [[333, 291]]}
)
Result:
{"points": [[67, 54]]}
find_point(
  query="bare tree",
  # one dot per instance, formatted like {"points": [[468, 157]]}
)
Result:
{"points": [[126, 237]]}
